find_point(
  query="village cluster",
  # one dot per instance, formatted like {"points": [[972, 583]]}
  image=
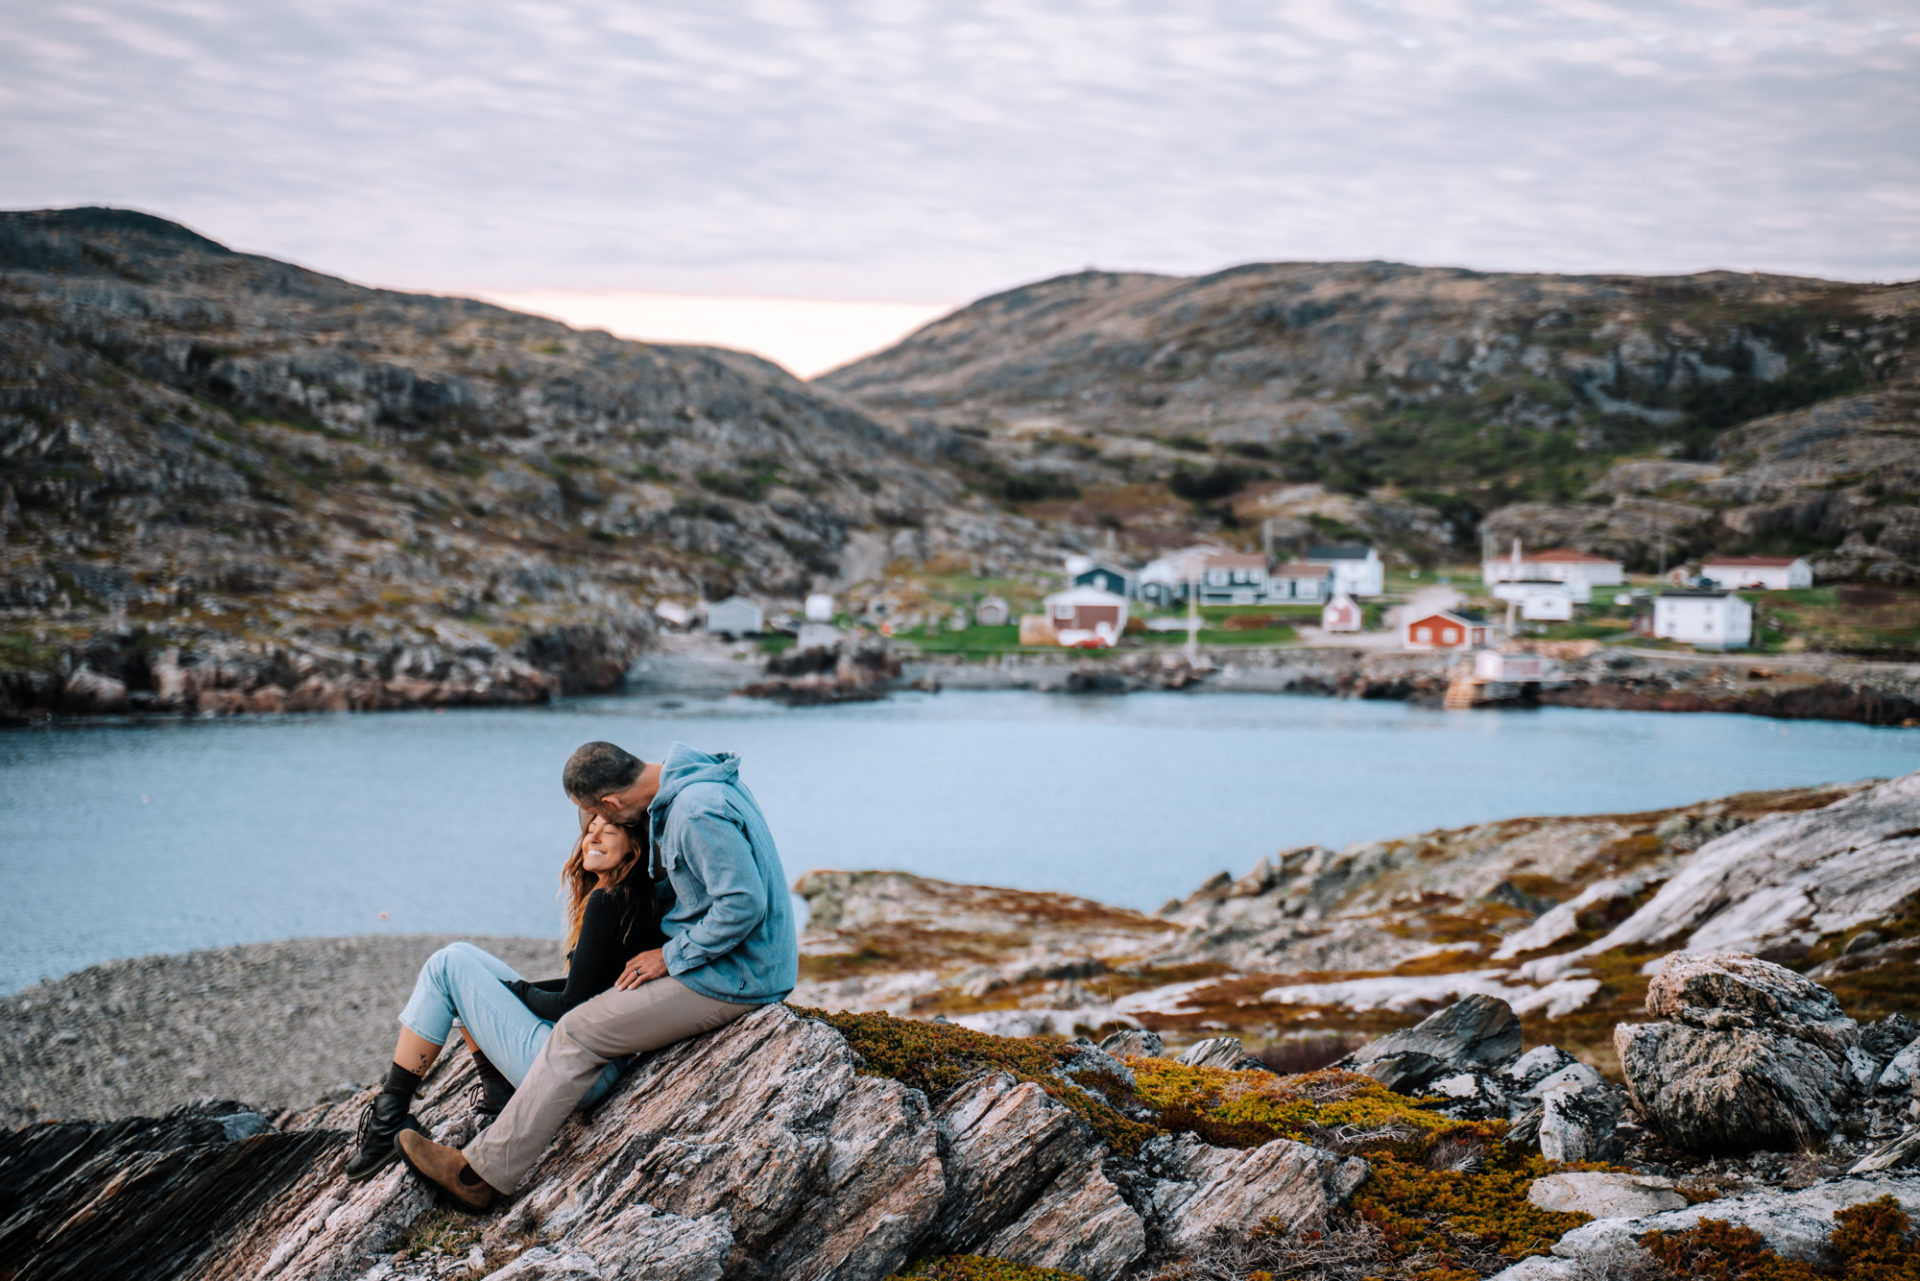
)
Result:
{"points": [[1102, 600]]}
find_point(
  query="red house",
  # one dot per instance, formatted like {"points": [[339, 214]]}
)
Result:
{"points": [[1446, 629]]}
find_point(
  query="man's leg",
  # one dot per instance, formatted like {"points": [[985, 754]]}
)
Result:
{"points": [[611, 1025]]}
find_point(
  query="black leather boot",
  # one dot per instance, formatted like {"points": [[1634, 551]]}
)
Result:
{"points": [[380, 1125], [491, 1093]]}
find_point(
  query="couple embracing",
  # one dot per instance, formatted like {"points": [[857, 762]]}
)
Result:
{"points": [[678, 922]]}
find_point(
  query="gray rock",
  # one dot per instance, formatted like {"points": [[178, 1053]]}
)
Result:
{"points": [[1758, 1057], [1221, 1052], [1732, 1091], [1478, 1034], [1726, 990], [1134, 1042], [1902, 1151], [1536, 1064], [1200, 1190], [1605, 1195], [1884, 1038], [1025, 1183], [1576, 1123], [1902, 1070]]}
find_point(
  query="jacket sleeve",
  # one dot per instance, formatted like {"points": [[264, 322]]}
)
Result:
{"points": [[596, 961], [717, 853]]}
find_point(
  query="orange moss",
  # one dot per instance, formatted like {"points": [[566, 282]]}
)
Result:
{"points": [[1870, 1243]]}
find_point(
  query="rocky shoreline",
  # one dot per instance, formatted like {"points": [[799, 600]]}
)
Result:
{"points": [[1565, 1056], [133, 674]]}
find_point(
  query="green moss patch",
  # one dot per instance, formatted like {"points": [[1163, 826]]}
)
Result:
{"points": [[938, 1058]]}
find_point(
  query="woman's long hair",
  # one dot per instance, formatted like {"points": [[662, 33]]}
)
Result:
{"points": [[576, 882]]}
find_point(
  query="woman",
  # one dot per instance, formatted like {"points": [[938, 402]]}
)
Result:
{"points": [[612, 916]]}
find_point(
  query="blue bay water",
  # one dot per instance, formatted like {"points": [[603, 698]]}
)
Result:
{"points": [[125, 839]]}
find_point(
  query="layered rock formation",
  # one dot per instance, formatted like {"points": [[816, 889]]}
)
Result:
{"points": [[759, 1151]]}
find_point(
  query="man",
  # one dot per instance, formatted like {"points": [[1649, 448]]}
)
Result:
{"points": [[730, 949]]}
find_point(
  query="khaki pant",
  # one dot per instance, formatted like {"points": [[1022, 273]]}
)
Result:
{"points": [[589, 1036]]}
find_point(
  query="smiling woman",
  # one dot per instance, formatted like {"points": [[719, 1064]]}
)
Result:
{"points": [[806, 336]]}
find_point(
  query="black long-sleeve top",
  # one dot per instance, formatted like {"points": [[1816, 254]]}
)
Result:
{"points": [[618, 925]]}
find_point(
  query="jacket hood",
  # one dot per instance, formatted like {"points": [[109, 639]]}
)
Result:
{"points": [[687, 765]]}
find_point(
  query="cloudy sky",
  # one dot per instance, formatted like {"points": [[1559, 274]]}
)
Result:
{"points": [[918, 154]]}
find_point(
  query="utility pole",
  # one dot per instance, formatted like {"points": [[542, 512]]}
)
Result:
{"points": [[1193, 620]]}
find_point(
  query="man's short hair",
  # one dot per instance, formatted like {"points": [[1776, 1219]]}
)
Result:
{"points": [[599, 769]]}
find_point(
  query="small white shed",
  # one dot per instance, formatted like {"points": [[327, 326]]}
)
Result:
{"points": [[1341, 614], [992, 612], [819, 608], [735, 616]]}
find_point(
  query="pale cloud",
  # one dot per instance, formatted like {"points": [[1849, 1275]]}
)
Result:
{"points": [[908, 152]]}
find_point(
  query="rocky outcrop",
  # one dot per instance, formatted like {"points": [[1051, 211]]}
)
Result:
{"points": [[1605, 1195], [1749, 1055], [851, 671], [1780, 884], [1479, 1034], [760, 1151]]}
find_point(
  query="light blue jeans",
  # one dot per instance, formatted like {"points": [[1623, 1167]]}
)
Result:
{"points": [[462, 981]]}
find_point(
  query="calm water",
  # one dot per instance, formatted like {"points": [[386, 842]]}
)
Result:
{"points": [[119, 840]]}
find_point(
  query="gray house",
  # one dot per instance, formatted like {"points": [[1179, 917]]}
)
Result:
{"points": [[735, 616]]}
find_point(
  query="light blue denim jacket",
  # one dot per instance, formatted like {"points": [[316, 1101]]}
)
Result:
{"points": [[730, 932]]}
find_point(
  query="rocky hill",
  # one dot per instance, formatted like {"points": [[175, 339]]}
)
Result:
{"points": [[1718, 411], [229, 482]]}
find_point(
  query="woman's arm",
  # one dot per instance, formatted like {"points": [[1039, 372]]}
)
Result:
{"points": [[597, 959]]}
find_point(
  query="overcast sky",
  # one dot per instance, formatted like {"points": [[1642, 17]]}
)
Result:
{"points": [[925, 153]]}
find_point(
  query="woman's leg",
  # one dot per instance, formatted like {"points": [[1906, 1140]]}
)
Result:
{"points": [[457, 971], [428, 1017]]}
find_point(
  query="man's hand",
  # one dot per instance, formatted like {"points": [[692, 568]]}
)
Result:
{"points": [[644, 968]]}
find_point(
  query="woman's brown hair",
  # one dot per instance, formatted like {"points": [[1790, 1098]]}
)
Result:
{"points": [[576, 882]]}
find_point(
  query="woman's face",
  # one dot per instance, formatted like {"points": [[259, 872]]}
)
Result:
{"points": [[607, 846]]}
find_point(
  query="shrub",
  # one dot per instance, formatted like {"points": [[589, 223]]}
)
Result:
{"points": [[1870, 1243], [976, 1267]]}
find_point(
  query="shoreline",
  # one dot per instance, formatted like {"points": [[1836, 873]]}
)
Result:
{"points": [[1785, 687], [277, 1025]]}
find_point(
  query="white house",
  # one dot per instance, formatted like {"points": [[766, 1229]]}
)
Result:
{"points": [[1341, 614], [819, 608], [1759, 573], [1087, 616], [735, 616], [1357, 569], [1556, 564], [1299, 582], [1164, 580], [1543, 601], [1704, 617]]}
